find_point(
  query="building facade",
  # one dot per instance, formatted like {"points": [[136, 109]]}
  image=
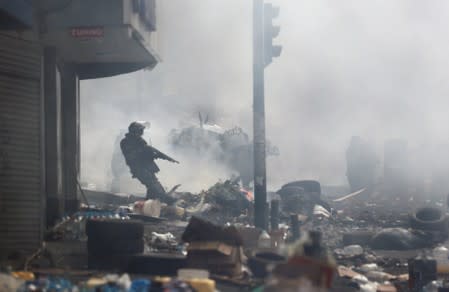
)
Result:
{"points": [[46, 48]]}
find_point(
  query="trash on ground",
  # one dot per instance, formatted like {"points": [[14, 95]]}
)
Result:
{"points": [[349, 251]]}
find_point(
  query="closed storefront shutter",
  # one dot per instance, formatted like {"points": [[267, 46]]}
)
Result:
{"points": [[21, 197]]}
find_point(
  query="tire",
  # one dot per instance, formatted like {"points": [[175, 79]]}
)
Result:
{"points": [[119, 246], [296, 199], [429, 219], [290, 191], [111, 229], [309, 186]]}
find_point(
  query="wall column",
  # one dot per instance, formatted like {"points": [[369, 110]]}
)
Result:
{"points": [[70, 136], [52, 140]]}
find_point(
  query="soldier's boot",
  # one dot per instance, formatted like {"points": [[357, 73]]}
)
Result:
{"points": [[169, 200]]}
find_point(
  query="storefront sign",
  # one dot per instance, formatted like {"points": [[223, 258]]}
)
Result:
{"points": [[87, 32]]}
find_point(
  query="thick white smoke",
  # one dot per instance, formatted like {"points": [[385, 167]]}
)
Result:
{"points": [[375, 69]]}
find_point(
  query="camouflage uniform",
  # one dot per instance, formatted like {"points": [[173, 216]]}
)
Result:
{"points": [[140, 158]]}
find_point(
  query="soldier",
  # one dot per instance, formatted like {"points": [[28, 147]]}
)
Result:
{"points": [[140, 158]]}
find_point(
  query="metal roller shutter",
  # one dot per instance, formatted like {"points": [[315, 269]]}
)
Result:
{"points": [[21, 197]]}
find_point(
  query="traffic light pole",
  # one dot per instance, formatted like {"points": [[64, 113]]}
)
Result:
{"points": [[260, 177]]}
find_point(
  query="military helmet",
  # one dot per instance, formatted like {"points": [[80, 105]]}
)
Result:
{"points": [[136, 128]]}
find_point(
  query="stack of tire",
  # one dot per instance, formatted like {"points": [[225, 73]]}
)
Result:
{"points": [[111, 242], [301, 196]]}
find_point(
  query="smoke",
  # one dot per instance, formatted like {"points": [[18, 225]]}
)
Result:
{"points": [[109, 105], [375, 69], [358, 68]]}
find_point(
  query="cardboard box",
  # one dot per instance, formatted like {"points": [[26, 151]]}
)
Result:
{"points": [[216, 257]]}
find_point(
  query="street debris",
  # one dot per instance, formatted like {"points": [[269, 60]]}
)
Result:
{"points": [[262, 262], [73, 227], [163, 242], [200, 230], [430, 219], [187, 280], [151, 208], [10, 283], [301, 197], [228, 201], [349, 251], [206, 240], [398, 239], [309, 266], [217, 249], [348, 196], [320, 211]]}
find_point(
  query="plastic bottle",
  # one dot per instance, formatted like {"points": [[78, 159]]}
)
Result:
{"points": [[152, 208], [264, 240], [140, 285], [433, 286], [352, 250], [441, 255]]}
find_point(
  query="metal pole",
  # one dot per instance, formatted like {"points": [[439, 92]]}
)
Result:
{"points": [[274, 215], [260, 182]]}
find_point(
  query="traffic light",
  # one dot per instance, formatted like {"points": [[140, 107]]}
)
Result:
{"points": [[270, 32]]}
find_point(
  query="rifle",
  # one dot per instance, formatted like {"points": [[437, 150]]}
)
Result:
{"points": [[159, 154]]}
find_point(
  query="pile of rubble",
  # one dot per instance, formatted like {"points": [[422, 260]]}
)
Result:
{"points": [[205, 242], [223, 202]]}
